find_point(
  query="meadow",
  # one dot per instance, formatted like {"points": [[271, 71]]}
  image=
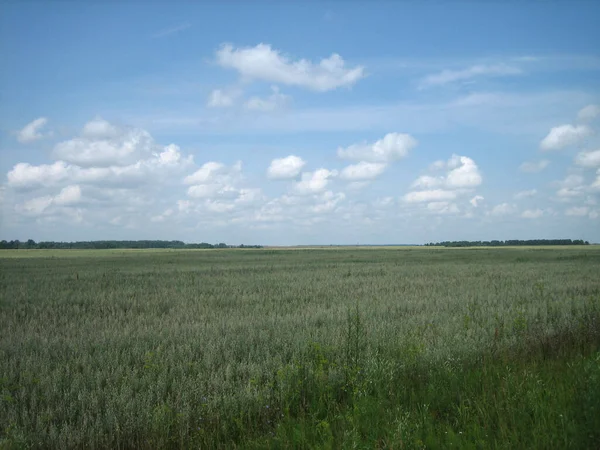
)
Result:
{"points": [[313, 348]]}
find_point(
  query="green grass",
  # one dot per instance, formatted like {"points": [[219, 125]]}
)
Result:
{"points": [[321, 348]]}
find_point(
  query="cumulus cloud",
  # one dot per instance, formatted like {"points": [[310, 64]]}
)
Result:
{"points": [[392, 147], [68, 196], [383, 202], [285, 168], [102, 145], [427, 182], [31, 131], [565, 136], [450, 76], [503, 209], [475, 201], [25, 175], [214, 180], [362, 171], [577, 211], [220, 98], [273, 102], [264, 63], [465, 173], [443, 208], [314, 182], [327, 202], [525, 194], [461, 173], [571, 188], [532, 214], [434, 195], [588, 159], [461, 177], [118, 169], [98, 128], [218, 190], [596, 183], [589, 113], [534, 166]]}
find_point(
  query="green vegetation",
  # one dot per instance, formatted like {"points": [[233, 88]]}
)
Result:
{"points": [[89, 245], [509, 243], [337, 348]]}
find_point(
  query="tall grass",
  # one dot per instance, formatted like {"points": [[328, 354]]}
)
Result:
{"points": [[344, 348]]}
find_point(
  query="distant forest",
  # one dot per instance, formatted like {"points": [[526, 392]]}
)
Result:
{"points": [[31, 244], [508, 243]]}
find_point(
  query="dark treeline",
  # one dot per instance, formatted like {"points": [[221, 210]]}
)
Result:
{"points": [[31, 244], [514, 242]]}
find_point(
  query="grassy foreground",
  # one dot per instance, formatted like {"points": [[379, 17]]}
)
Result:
{"points": [[331, 348]]}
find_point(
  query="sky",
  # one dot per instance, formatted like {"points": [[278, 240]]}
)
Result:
{"points": [[342, 122]]}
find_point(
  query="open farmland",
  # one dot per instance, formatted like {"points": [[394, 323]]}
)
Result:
{"points": [[315, 348]]}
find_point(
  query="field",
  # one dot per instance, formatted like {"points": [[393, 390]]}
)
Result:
{"points": [[312, 348]]}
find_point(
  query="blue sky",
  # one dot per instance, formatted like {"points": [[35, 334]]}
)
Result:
{"points": [[304, 123]]}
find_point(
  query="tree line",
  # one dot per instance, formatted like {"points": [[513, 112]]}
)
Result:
{"points": [[514, 242], [31, 244]]}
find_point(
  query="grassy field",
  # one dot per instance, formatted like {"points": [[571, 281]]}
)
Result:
{"points": [[319, 348]]}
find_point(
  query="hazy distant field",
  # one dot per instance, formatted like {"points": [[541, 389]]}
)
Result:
{"points": [[401, 347]]}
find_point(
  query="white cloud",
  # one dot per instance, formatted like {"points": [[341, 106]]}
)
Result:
{"points": [[572, 187], [532, 214], [220, 98], [31, 131], [392, 147], [475, 201], [357, 185], [462, 175], [285, 168], [588, 159], [314, 182], [206, 173], [103, 145], [98, 128], [68, 195], [275, 101], [443, 208], [466, 175], [502, 209], [596, 183], [362, 171], [264, 63], [428, 182], [24, 175], [462, 172], [162, 217], [35, 206], [525, 194], [217, 189], [569, 193], [589, 113], [383, 202], [327, 202], [577, 211], [449, 76], [96, 190], [534, 166], [565, 136], [214, 180], [434, 195]]}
